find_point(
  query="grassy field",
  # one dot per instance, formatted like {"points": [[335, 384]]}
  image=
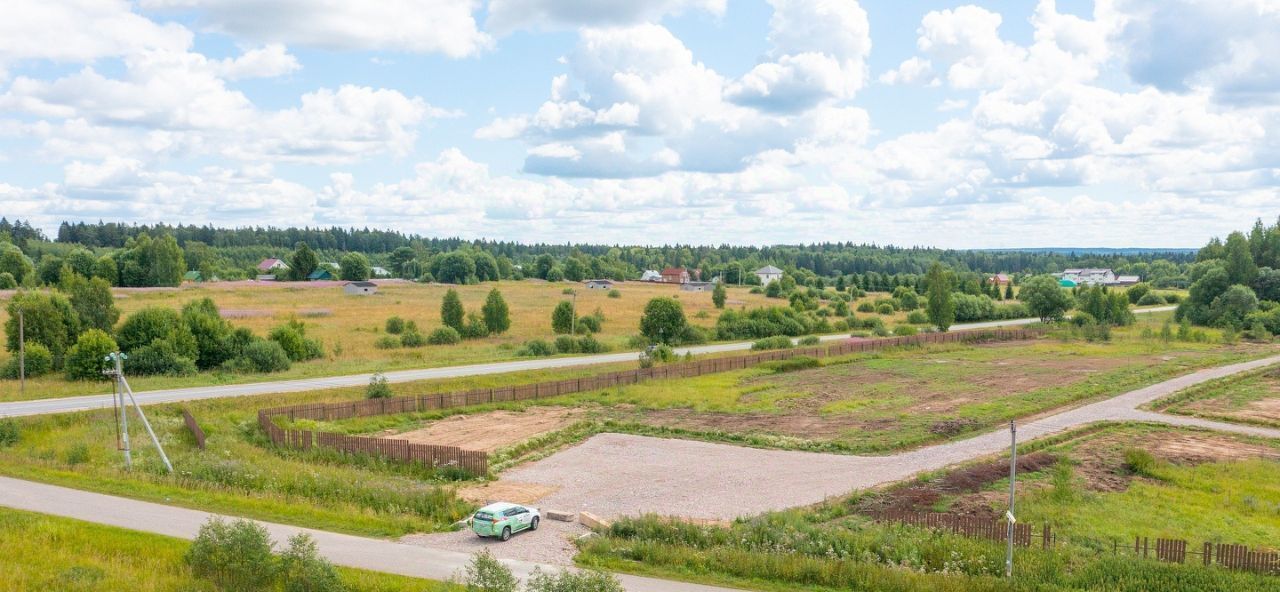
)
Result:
{"points": [[877, 402], [348, 326], [1199, 486], [44, 552], [1252, 398]]}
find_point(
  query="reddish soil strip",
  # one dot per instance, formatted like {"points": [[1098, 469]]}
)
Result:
{"points": [[493, 430]]}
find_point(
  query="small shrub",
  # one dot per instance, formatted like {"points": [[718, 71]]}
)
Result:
{"points": [[486, 574], [918, 317], [159, 358], [885, 308], [292, 336], [567, 291], [234, 556], [1172, 298], [260, 355], [692, 335], [1151, 299], [615, 294], [880, 331], [1139, 462], [840, 325], [378, 387], [590, 345], [775, 342], [810, 340], [475, 327], [638, 341], [304, 570], [38, 361], [566, 344], [78, 454], [905, 330], [395, 325], [86, 359], [386, 342], [536, 348], [444, 336], [565, 581], [791, 364], [9, 433], [866, 307], [412, 339]]}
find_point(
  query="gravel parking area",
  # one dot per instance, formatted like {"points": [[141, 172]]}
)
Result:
{"points": [[552, 543]]}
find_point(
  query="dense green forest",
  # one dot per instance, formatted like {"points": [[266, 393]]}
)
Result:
{"points": [[149, 255]]}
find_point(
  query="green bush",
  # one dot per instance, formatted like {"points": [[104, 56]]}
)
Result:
{"points": [[615, 294], [565, 581], [759, 323], [474, 327], [292, 336], [840, 325], [9, 433], [78, 454], [153, 323], [444, 336], [1151, 299], [866, 306], [386, 342], [395, 325], [536, 348], [486, 574], [304, 570], [808, 340], [234, 556], [566, 344], [791, 364], [1140, 462], [38, 361], [590, 345], [259, 355], [7, 281], [905, 330], [775, 342], [378, 387], [86, 359], [884, 309], [693, 335], [918, 317], [160, 357], [412, 339], [590, 323]]}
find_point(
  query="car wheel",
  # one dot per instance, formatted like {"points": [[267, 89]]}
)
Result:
{"points": [[534, 525], [506, 533]]}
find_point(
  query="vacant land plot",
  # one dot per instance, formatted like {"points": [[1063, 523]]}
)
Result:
{"points": [[490, 431], [1197, 485], [1252, 399], [906, 398], [349, 326]]}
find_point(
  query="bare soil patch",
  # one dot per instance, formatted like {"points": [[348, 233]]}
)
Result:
{"points": [[970, 481], [493, 430], [506, 491]]}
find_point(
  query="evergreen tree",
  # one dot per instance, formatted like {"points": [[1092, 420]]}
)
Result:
{"points": [[562, 317], [302, 262], [940, 308], [496, 315], [1239, 261], [718, 295], [451, 312]]}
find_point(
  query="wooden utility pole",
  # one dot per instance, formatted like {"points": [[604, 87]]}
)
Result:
{"points": [[1013, 480], [22, 354]]}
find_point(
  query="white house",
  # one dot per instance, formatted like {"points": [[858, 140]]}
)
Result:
{"points": [[768, 274], [651, 275], [380, 272], [272, 264], [1089, 276], [360, 288]]}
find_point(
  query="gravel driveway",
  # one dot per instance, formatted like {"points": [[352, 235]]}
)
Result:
{"points": [[617, 474], [552, 543]]}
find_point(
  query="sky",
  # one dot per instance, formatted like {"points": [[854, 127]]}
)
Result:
{"points": [[1114, 123]]}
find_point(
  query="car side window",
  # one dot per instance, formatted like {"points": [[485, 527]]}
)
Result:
{"points": [[511, 512]]}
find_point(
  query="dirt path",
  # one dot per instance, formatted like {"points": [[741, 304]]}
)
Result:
{"points": [[616, 474]]}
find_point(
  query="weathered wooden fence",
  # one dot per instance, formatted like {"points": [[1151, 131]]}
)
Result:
{"points": [[196, 431], [1229, 556], [477, 462]]}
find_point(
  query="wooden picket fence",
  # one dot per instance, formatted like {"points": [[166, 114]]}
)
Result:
{"points": [[196, 431], [477, 462], [1229, 556]]}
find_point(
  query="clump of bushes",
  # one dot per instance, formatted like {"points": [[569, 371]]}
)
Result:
{"points": [[9, 433], [486, 574], [566, 344], [386, 342], [444, 336], [160, 357], [39, 361], [260, 355], [885, 309], [866, 306], [918, 317], [238, 556], [809, 340], [615, 294], [775, 342], [292, 336], [1140, 462], [905, 330], [412, 339], [86, 359], [536, 348], [395, 325]]}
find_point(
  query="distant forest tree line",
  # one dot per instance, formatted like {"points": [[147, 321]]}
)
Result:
{"points": [[160, 254]]}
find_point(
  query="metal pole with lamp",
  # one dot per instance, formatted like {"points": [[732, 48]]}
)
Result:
{"points": [[1013, 476]]}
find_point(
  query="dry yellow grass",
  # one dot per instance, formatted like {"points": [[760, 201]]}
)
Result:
{"points": [[350, 325]]}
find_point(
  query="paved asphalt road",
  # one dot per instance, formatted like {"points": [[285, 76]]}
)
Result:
{"points": [[62, 405]]}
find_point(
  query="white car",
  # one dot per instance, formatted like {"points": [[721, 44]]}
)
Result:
{"points": [[504, 519]]}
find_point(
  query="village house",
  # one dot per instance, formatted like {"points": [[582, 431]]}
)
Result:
{"points": [[650, 275], [321, 273], [675, 275], [272, 265], [1088, 276], [999, 279], [768, 274], [379, 272], [360, 288]]}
